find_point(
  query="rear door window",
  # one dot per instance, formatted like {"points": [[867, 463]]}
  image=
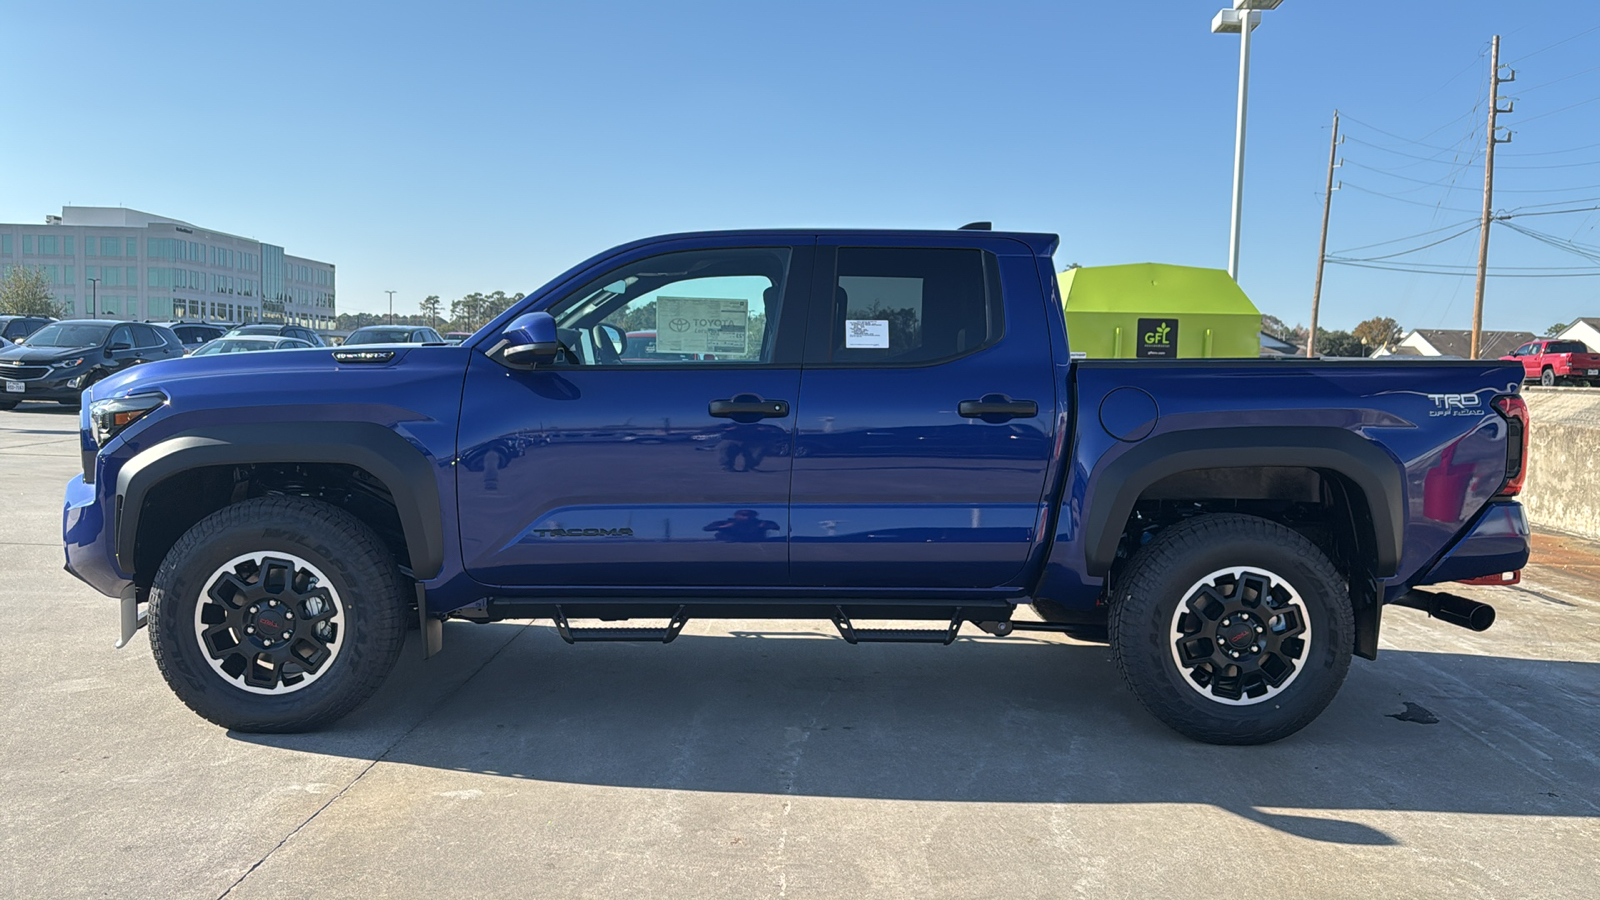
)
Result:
{"points": [[145, 337], [913, 305]]}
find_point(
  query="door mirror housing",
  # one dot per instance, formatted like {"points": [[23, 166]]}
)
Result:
{"points": [[118, 347], [529, 340]]}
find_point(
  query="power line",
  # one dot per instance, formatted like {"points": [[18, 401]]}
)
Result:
{"points": [[1404, 200], [1554, 152], [1474, 227], [1556, 80], [1449, 162], [1407, 237], [1400, 137], [1553, 46], [1562, 109], [1469, 272], [1549, 212]]}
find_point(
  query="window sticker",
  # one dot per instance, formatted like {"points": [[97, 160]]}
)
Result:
{"points": [[702, 325], [866, 334]]}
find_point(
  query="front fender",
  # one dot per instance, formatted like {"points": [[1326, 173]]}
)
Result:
{"points": [[378, 450]]}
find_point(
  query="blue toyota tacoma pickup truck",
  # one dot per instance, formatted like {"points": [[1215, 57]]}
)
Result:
{"points": [[850, 425]]}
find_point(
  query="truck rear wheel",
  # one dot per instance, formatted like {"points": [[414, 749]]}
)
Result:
{"points": [[1547, 377], [278, 614], [1232, 629]]}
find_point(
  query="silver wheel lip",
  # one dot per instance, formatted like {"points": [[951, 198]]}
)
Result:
{"points": [[1174, 634], [299, 563]]}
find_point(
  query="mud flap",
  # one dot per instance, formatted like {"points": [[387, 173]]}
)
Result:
{"points": [[133, 618]]}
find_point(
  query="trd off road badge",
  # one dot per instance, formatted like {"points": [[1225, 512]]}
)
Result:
{"points": [[1456, 405], [1158, 339]]}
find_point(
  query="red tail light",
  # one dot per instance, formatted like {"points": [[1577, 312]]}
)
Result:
{"points": [[1515, 411]]}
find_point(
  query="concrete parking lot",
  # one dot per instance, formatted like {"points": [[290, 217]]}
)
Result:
{"points": [[773, 760]]}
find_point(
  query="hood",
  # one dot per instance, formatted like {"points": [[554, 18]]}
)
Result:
{"points": [[249, 371], [37, 355]]}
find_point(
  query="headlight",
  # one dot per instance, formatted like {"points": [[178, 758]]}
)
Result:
{"points": [[110, 417], [69, 363]]}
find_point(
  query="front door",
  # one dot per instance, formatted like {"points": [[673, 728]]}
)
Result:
{"points": [[925, 420], [656, 449]]}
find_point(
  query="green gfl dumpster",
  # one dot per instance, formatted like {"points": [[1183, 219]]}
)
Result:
{"points": [[1157, 311]]}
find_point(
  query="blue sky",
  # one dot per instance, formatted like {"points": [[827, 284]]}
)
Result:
{"points": [[450, 148]]}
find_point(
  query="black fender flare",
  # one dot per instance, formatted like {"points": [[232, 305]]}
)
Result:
{"points": [[1376, 474], [381, 451]]}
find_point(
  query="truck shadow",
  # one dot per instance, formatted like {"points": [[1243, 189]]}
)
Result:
{"points": [[1012, 720]]}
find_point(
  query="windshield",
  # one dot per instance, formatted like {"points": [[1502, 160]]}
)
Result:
{"points": [[380, 336], [226, 345], [69, 334]]}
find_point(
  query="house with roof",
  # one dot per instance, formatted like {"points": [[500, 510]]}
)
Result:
{"points": [[1586, 330], [1453, 344]]}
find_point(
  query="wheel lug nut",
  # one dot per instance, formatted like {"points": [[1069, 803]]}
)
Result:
{"points": [[272, 603], [286, 635], [289, 615], [1258, 628], [249, 629], [254, 610]]}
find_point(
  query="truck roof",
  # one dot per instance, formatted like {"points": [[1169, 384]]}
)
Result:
{"points": [[1040, 243]]}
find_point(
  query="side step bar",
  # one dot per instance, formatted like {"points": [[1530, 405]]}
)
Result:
{"points": [[854, 635], [653, 635]]}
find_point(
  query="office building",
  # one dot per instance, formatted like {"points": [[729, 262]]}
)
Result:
{"points": [[112, 262]]}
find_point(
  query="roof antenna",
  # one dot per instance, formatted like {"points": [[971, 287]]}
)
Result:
{"points": [[977, 226]]}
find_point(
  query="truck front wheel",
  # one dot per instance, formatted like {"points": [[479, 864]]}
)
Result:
{"points": [[278, 614], [1232, 629]]}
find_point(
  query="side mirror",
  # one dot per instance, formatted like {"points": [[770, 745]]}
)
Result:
{"points": [[118, 347], [529, 340], [610, 340]]}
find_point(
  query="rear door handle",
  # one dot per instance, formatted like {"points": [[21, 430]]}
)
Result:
{"points": [[998, 407], [749, 406]]}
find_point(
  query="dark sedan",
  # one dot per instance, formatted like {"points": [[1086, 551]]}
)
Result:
{"points": [[61, 359]]}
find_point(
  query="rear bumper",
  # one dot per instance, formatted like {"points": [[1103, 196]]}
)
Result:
{"points": [[1497, 542]]}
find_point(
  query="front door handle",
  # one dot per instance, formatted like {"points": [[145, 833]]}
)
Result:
{"points": [[998, 408], [749, 406]]}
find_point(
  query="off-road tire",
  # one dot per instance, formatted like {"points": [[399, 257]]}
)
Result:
{"points": [[359, 567], [1547, 377], [1145, 601]]}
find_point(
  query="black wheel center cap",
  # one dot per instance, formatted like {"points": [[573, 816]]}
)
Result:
{"points": [[270, 622], [1238, 631]]}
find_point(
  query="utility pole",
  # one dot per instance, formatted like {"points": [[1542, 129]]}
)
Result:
{"points": [[391, 306], [1322, 247], [1488, 190]]}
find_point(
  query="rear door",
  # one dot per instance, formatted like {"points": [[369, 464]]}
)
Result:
{"points": [[924, 424]]}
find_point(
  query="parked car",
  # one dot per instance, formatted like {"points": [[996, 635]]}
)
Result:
{"points": [[249, 344], [294, 331], [1233, 527], [60, 360], [1557, 362], [456, 338], [194, 335], [14, 328], [394, 334]]}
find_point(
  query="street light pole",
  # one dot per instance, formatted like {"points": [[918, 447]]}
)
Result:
{"points": [[391, 306], [94, 297], [1241, 20]]}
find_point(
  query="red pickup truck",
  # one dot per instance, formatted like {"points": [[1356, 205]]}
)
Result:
{"points": [[1558, 362]]}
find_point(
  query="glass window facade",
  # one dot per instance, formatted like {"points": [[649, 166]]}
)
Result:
{"points": [[66, 246], [5, 244], [111, 246], [27, 245]]}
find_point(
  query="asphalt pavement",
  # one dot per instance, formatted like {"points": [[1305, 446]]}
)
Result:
{"points": [[771, 759]]}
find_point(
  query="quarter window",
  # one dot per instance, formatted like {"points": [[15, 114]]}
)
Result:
{"points": [[908, 305]]}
